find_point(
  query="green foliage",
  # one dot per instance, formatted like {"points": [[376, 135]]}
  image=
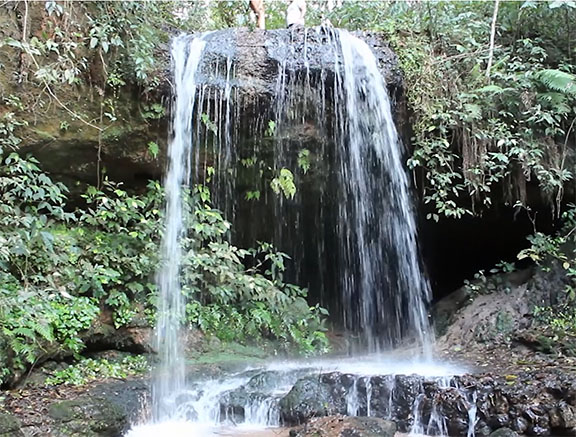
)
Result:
{"points": [[252, 195], [560, 329], [33, 320], [304, 160], [479, 139], [210, 125], [153, 111], [284, 183], [89, 369], [556, 80], [560, 249], [271, 129], [9, 125], [239, 304], [496, 281], [120, 250], [558, 252], [153, 149], [60, 269]]}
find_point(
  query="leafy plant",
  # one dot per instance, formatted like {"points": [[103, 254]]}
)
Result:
{"points": [[304, 160], [284, 183], [235, 303], [89, 369], [479, 139]]}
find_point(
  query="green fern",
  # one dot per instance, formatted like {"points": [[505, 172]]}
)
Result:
{"points": [[557, 80]]}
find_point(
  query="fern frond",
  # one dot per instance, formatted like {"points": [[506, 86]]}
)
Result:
{"points": [[557, 100], [557, 80]]}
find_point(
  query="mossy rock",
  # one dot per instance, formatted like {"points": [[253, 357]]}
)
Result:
{"points": [[87, 417], [9, 426], [309, 397]]}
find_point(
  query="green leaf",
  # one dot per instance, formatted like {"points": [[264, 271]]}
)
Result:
{"points": [[153, 149], [558, 80]]}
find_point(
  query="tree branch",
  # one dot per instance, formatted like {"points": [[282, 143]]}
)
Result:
{"points": [[492, 37]]}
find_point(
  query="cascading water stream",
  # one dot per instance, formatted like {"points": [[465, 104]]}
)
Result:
{"points": [[170, 378], [384, 291]]}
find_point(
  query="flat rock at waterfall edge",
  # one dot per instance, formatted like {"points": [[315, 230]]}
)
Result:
{"points": [[541, 403], [345, 426], [97, 409]]}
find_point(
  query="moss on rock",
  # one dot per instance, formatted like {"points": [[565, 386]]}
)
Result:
{"points": [[9, 426], [87, 417]]}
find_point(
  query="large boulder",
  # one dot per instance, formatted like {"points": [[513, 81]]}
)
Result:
{"points": [[87, 417], [10, 426], [254, 397], [315, 396], [258, 57]]}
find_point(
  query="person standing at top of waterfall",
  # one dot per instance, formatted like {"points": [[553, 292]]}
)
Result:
{"points": [[294, 14], [257, 7]]}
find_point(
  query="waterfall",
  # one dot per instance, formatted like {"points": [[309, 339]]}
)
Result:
{"points": [[363, 241], [384, 292], [170, 378], [364, 233]]}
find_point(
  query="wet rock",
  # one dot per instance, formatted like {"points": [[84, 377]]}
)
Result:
{"points": [[520, 424], [538, 431], [482, 429], [563, 416], [404, 393], [504, 432], [9, 426], [129, 395], [313, 397], [500, 403], [87, 417], [341, 426], [533, 403], [499, 420], [256, 57], [233, 404], [454, 406], [381, 399]]}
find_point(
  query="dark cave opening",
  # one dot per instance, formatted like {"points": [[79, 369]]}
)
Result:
{"points": [[454, 250]]}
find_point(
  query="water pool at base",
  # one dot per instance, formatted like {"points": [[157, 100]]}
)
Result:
{"points": [[206, 407]]}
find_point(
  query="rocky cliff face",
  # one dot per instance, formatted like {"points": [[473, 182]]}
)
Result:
{"points": [[247, 63]]}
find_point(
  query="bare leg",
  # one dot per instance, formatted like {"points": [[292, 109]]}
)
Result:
{"points": [[258, 7]]}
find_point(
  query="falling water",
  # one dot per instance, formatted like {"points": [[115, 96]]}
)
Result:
{"points": [[170, 380], [359, 218], [384, 291]]}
